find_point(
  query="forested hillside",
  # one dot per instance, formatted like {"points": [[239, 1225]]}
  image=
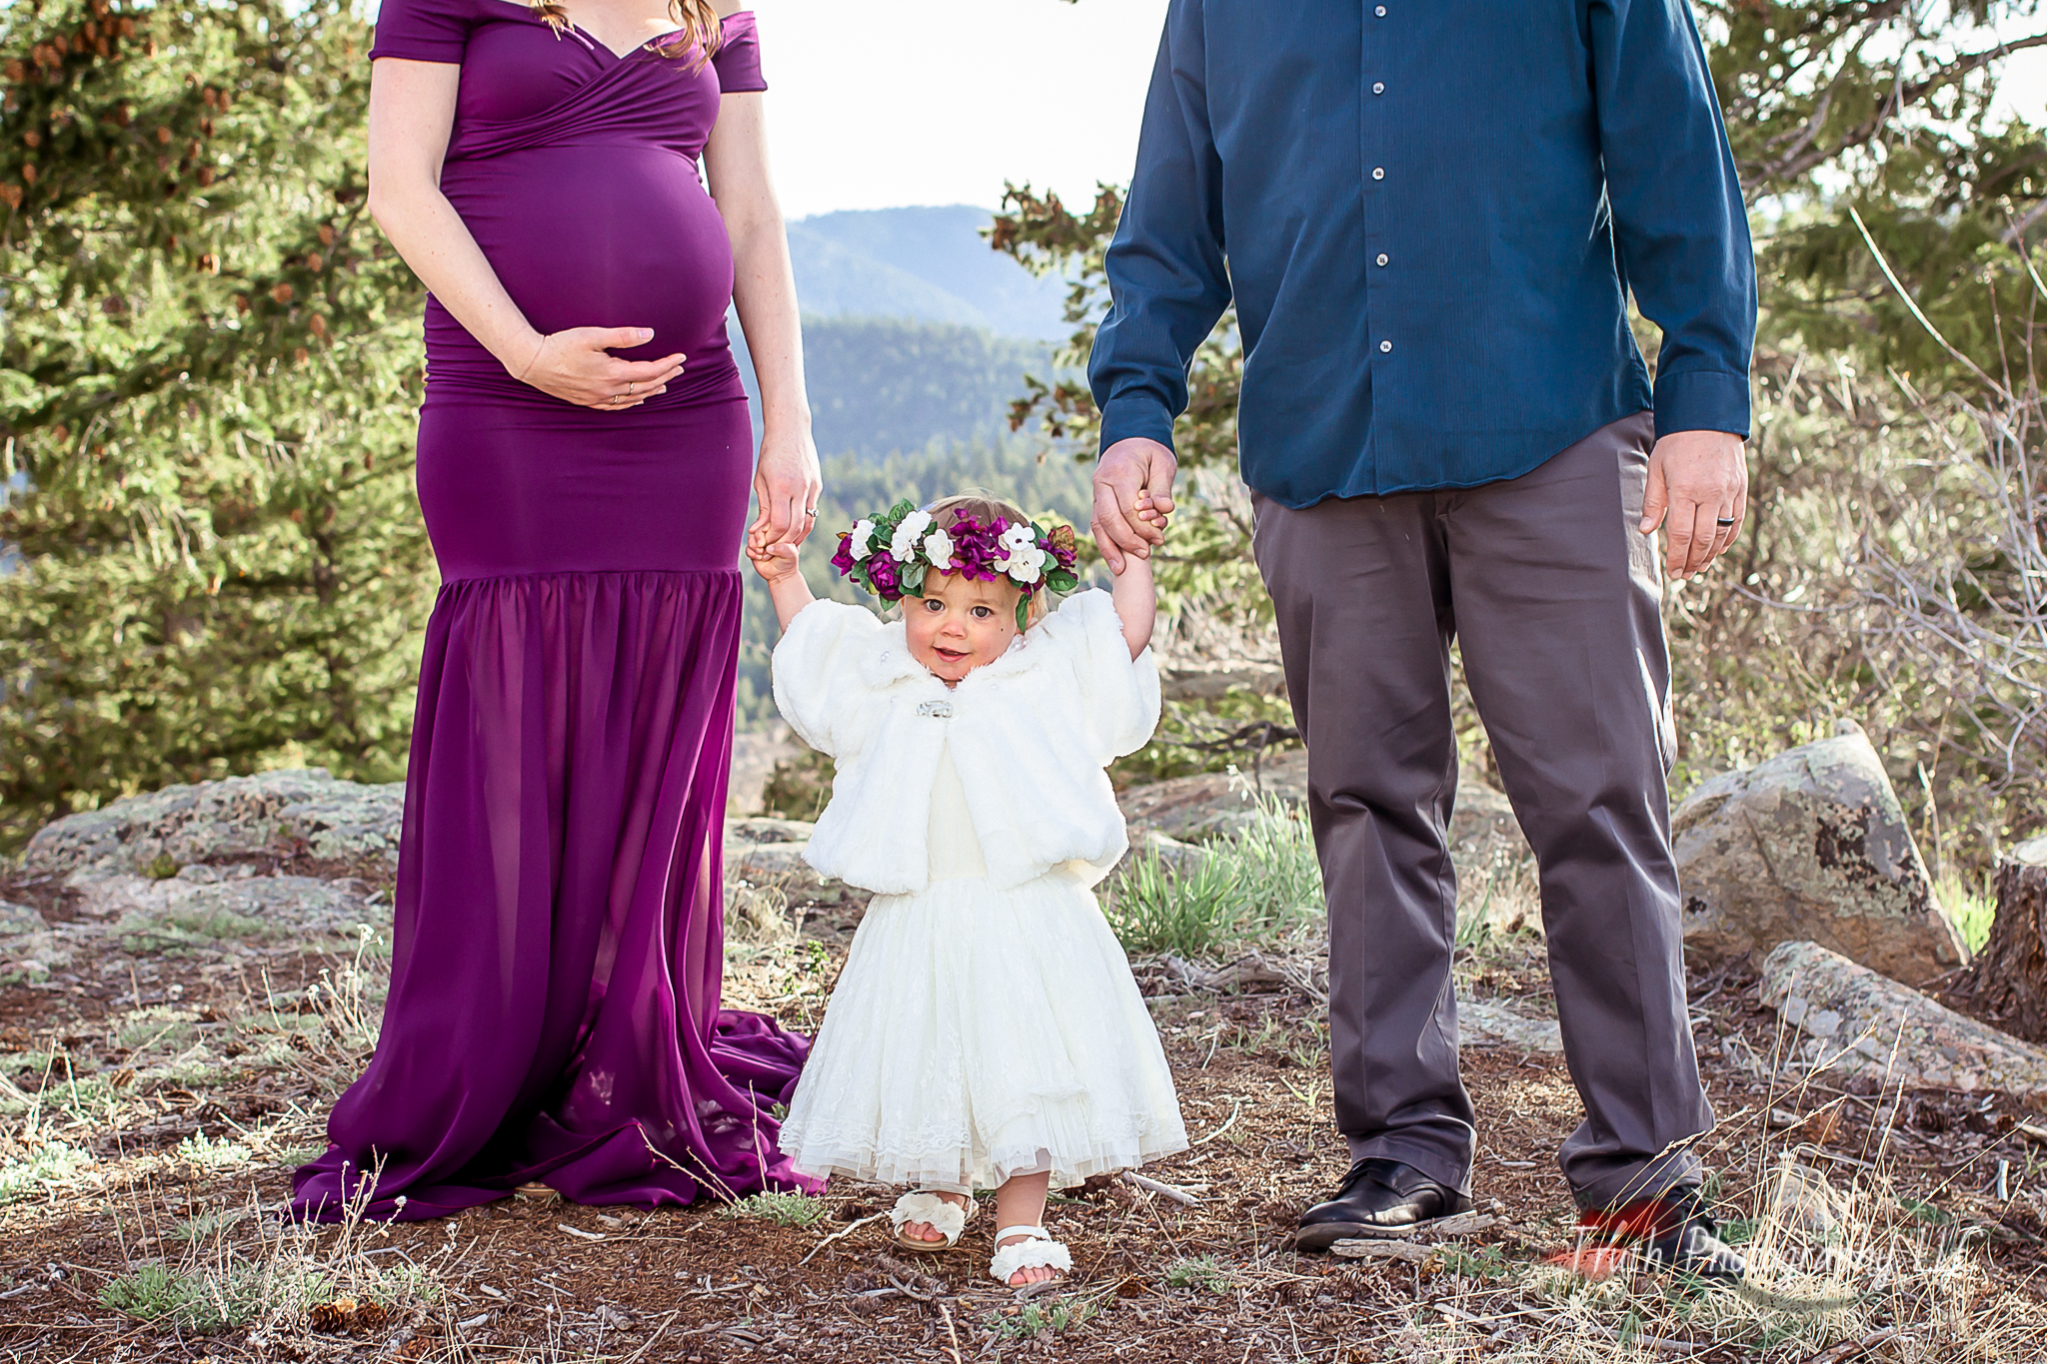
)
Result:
{"points": [[929, 264], [879, 385]]}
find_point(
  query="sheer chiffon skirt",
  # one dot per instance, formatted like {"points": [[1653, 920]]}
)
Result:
{"points": [[978, 1033], [554, 1009]]}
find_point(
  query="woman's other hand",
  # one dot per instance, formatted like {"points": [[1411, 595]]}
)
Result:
{"points": [[577, 366], [786, 488]]}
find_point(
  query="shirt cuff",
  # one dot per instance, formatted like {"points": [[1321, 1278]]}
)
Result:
{"points": [[1135, 416], [1703, 400]]}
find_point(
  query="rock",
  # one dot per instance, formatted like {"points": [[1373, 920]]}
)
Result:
{"points": [[1802, 1200], [272, 812], [754, 756], [1211, 803], [1810, 846], [762, 829], [1482, 1023], [198, 911], [1855, 1019], [18, 919], [2007, 985], [1212, 684], [1189, 809]]}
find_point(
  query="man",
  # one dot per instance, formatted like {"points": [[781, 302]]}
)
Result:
{"points": [[1430, 215]]}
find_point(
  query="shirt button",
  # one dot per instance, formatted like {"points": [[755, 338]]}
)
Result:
{"points": [[1383, 258], [1379, 172], [1386, 346], [1380, 11], [1379, 87]]}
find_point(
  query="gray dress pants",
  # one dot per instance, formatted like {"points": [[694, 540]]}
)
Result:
{"points": [[1552, 595]]}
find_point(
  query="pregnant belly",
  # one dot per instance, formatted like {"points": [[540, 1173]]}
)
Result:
{"points": [[601, 236]]}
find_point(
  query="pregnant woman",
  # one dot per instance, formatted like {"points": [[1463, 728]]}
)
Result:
{"points": [[584, 458]]}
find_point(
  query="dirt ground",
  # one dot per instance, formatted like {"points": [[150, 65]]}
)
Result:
{"points": [[155, 1101]]}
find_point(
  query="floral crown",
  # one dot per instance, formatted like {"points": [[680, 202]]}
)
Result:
{"points": [[889, 555]]}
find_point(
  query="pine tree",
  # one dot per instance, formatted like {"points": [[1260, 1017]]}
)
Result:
{"points": [[207, 380]]}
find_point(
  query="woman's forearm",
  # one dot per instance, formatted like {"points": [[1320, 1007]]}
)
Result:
{"points": [[764, 293], [432, 238]]}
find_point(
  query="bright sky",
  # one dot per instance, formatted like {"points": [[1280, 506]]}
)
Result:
{"points": [[938, 101]]}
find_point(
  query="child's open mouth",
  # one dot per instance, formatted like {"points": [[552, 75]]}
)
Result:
{"points": [[955, 654]]}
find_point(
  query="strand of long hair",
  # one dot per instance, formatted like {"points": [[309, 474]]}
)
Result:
{"points": [[696, 25]]}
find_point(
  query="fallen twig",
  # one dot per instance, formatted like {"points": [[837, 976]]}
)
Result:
{"points": [[952, 1337], [649, 1343], [846, 1230], [1174, 1192], [1849, 1349], [1236, 1105], [1362, 1249]]}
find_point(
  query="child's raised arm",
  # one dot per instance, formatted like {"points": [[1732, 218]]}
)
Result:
{"points": [[1136, 602], [777, 565]]}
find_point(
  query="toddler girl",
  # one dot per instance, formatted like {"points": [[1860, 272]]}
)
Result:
{"points": [[986, 1031]]}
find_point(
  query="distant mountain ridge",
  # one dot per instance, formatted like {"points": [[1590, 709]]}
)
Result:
{"points": [[926, 264]]}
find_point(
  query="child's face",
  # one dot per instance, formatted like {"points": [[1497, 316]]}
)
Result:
{"points": [[960, 623]]}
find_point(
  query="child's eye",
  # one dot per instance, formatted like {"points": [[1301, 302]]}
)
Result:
{"points": [[933, 604], [982, 613]]}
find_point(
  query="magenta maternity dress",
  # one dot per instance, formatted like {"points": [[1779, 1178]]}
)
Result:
{"points": [[554, 1011]]}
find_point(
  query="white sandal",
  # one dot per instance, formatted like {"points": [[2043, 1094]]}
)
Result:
{"points": [[1039, 1252], [948, 1219]]}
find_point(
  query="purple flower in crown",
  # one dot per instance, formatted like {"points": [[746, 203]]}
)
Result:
{"points": [[881, 572], [842, 558], [975, 548]]}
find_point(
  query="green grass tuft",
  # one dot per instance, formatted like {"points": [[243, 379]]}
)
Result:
{"points": [[47, 1165], [202, 1303], [1255, 885], [1972, 908], [1044, 1318], [1201, 1272], [783, 1209]]}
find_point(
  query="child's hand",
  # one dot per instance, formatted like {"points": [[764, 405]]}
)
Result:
{"points": [[774, 562], [1147, 510]]}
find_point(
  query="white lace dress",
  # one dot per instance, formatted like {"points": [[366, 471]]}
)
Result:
{"points": [[980, 1030]]}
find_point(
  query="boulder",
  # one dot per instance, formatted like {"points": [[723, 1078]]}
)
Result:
{"points": [[306, 811], [754, 756], [1189, 809], [199, 907], [1810, 846], [1860, 1023], [1482, 1023], [16, 920]]}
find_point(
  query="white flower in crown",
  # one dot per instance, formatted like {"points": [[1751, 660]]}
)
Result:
{"points": [[1026, 564], [908, 532], [1019, 536], [860, 540], [938, 550]]}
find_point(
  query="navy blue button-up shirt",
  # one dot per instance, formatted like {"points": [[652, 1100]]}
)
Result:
{"points": [[1430, 214]]}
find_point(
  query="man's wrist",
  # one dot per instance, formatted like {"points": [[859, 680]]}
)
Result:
{"points": [[1134, 418]]}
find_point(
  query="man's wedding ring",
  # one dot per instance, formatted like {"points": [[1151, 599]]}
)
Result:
{"points": [[1724, 520], [810, 511]]}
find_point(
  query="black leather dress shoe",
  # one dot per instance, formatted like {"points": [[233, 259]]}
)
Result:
{"points": [[1378, 1198]]}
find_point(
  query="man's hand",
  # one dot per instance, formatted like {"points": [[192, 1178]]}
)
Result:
{"points": [[1699, 489], [1133, 498]]}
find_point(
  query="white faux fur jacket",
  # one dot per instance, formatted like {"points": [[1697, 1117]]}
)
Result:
{"points": [[1030, 735]]}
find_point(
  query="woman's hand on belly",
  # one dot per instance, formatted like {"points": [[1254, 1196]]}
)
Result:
{"points": [[577, 366]]}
